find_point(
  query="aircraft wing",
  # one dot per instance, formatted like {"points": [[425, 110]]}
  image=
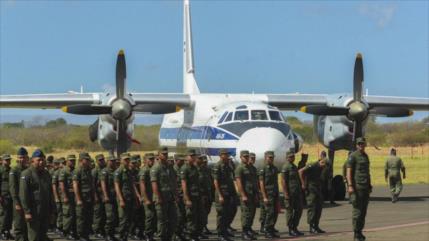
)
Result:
{"points": [[159, 103], [48, 101], [412, 103], [295, 101]]}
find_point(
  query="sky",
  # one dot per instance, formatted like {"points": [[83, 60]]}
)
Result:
{"points": [[239, 47]]}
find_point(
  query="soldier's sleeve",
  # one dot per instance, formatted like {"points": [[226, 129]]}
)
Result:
{"points": [[14, 186], [141, 174], [285, 172], [118, 176], [183, 173], [215, 172], [24, 193], [76, 176], [351, 161], [154, 174], [401, 164], [261, 174], [54, 177], [238, 172]]}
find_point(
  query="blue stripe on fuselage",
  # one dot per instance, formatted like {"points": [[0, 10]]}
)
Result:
{"points": [[197, 132]]}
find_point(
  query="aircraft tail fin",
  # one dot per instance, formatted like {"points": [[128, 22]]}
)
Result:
{"points": [[189, 83]]}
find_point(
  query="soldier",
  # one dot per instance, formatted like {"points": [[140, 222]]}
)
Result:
{"points": [[234, 209], [65, 180], [137, 224], [163, 186], [268, 183], [180, 204], [5, 199], [311, 185], [35, 194], [252, 160], [99, 219], [191, 194], [392, 169], [225, 194], [247, 187], [146, 195], [292, 193], [83, 186], [19, 225], [206, 190], [109, 198], [126, 196], [359, 180], [58, 165]]}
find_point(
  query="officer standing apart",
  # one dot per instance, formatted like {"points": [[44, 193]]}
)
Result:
{"points": [[147, 194], [83, 186], [19, 225], [163, 187], [191, 194], [36, 198], [247, 184], [392, 172], [107, 182], [292, 193], [225, 194], [268, 183], [359, 180], [5, 199], [126, 198], [311, 185]]}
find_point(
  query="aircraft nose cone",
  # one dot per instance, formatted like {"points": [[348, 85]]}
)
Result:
{"points": [[260, 140]]}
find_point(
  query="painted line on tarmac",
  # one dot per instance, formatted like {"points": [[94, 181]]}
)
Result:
{"points": [[318, 236]]}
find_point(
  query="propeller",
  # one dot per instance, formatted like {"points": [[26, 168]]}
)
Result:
{"points": [[120, 109], [357, 111]]}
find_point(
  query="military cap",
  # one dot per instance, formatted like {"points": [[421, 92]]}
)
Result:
{"points": [[134, 159], [170, 158], [360, 140], [179, 156], [111, 158], [290, 153], [57, 161], [149, 155], [244, 153], [163, 150], [137, 157], [125, 155], [84, 155], [203, 158], [22, 152], [269, 153], [251, 154], [37, 153], [6, 157], [50, 159], [99, 157], [191, 152], [71, 157], [223, 151]]}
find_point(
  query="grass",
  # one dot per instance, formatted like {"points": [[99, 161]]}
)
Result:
{"points": [[416, 161]]}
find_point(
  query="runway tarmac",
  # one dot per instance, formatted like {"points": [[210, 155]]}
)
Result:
{"points": [[405, 220]]}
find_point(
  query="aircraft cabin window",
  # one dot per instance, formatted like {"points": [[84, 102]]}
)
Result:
{"points": [[241, 115], [223, 117], [229, 117], [259, 115], [275, 115]]}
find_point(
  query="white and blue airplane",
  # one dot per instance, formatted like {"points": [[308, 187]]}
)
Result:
{"points": [[208, 122]]}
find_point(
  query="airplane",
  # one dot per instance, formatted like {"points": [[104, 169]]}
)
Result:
{"points": [[208, 122]]}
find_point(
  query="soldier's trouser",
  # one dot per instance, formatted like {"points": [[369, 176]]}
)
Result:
{"points": [[360, 199], [99, 218], [83, 219], [271, 212], [125, 217], [314, 207], [37, 228], [223, 213], [206, 210], [293, 207], [138, 220], [233, 211], [262, 212], [194, 216], [59, 208], [181, 216], [19, 225], [150, 219], [111, 217], [69, 217], [395, 185], [248, 210], [6, 214], [166, 215]]}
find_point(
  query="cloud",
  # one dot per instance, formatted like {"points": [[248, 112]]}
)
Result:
{"points": [[381, 14]]}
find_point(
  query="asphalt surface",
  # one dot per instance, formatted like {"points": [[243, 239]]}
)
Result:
{"points": [[408, 219]]}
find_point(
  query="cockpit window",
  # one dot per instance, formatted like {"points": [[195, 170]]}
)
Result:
{"points": [[223, 117], [241, 115], [275, 115], [241, 107], [229, 117], [259, 115]]}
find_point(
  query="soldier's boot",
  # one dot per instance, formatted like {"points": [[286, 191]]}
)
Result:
{"points": [[206, 231], [149, 237], [297, 231], [253, 232], [313, 229], [228, 234], [359, 236], [223, 237], [318, 229], [178, 237], [262, 230], [231, 229], [203, 236], [270, 233], [245, 235], [275, 230], [292, 232]]}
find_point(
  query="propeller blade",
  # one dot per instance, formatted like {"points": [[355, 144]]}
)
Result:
{"points": [[358, 78], [87, 109], [121, 137], [391, 111], [357, 131], [324, 110], [121, 74]]}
